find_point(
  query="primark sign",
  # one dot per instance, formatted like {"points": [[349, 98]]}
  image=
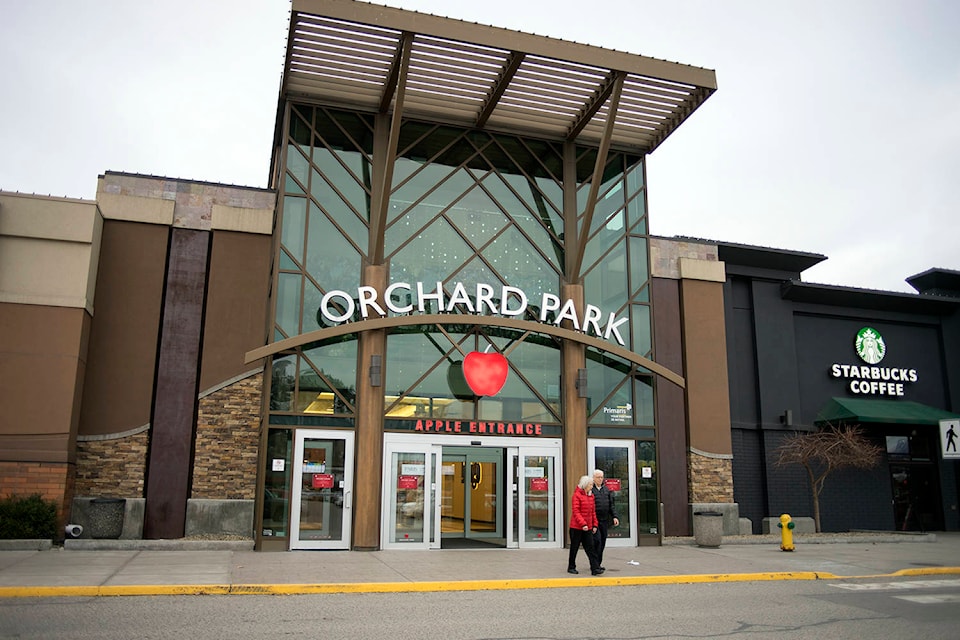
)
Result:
{"points": [[338, 306], [868, 377]]}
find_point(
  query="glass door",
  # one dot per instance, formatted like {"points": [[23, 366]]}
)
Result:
{"points": [[409, 496], [322, 489], [472, 497], [617, 459], [538, 497]]}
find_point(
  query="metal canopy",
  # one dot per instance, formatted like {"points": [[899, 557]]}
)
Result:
{"points": [[347, 53]]}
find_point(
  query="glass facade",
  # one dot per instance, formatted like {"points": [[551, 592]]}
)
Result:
{"points": [[466, 208]]}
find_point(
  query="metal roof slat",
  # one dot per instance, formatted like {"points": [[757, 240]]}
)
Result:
{"points": [[362, 65], [320, 47], [456, 50], [527, 74], [570, 107], [653, 110], [433, 89], [311, 81], [360, 75], [559, 120], [464, 46], [442, 100], [528, 86], [672, 97], [324, 40], [335, 31], [440, 74], [421, 58], [308, 19]]}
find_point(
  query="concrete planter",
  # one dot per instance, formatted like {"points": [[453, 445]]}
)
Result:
{"points": [[106, 517], [708, 528]]}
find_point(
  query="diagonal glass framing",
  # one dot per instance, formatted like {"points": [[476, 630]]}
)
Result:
{"points": [[468, 207]]}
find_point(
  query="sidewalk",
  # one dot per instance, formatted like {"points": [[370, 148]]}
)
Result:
{"points": [[132, 571]]}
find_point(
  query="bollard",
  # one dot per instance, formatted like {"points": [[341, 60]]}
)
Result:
{"points": [[786, 532]]}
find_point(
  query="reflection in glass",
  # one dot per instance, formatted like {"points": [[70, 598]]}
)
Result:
{"points": [[615, 464], [282, 382], [277, 466], [539, 489], [648, 512], [321, 489], [327, 383], [407, 476]]}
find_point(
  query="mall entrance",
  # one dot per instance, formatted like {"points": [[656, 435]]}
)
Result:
{"points": [[448, 492]]}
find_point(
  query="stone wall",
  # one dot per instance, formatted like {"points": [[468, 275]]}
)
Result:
{"points": [[225, 452], [710, 478], [112, 467], [228, 428]]}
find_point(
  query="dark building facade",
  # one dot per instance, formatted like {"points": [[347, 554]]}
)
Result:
{"points": [[802, 356]]}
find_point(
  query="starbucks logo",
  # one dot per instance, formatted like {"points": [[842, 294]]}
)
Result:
{"points": [[870, 346]]}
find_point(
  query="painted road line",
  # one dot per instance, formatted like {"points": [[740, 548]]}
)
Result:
{"points": [[900, 586], [942, 598]]}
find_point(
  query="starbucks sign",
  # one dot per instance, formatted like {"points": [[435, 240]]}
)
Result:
{"points": [[870, 345], [869, 379]]}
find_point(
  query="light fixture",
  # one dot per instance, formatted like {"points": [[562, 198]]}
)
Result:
{"points": [[581, 383], [375, 369]]}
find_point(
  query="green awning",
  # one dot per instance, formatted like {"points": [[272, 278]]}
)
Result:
{"points": [[867, 410]]}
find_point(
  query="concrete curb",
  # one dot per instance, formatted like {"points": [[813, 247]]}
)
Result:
{"points": [[26, 545], [811, 538], [89, 544], [420, 587]]}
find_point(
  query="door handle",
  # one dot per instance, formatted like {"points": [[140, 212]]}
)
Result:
{"points": [[347, 504]]}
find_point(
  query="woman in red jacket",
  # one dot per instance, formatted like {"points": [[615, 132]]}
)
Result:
{"points": [[583, 524]]}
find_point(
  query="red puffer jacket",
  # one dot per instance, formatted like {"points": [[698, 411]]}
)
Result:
{"points": [[583, 512]]}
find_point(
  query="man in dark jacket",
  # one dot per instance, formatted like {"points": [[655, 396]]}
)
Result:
{"points": [[606, 513]]}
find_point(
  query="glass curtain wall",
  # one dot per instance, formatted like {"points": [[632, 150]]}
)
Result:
{"points": [[466, 207]]}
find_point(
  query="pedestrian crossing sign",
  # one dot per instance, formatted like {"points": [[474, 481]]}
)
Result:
{"points": [[950, 439]]}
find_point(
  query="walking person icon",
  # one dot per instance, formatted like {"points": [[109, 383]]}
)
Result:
{"points": [[951, 440]]}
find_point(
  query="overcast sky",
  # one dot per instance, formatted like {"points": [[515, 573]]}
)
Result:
{"points": [[835, 129]]}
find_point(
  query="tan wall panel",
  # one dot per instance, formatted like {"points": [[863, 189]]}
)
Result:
{"points": [[123, 340], [705, 356], [236, 313], [48, 250], [45, 272], [42, 351], [32, 216]]}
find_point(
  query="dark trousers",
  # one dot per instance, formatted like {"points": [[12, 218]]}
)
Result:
{"points": [[578, 537], [600, 541]]}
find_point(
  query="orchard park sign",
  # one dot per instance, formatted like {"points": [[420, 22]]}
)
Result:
{"points": [[338, 306], [869, 378]]}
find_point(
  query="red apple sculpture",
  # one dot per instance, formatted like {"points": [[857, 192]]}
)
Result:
{"points": [[485, 372]]}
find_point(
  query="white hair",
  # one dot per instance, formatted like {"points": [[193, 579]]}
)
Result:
{"points": [[586, 482]]}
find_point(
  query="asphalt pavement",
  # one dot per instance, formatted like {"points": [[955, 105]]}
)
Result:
{"points": [[125, 567]]}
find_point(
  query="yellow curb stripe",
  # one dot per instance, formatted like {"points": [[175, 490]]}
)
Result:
{"points": [[464, 585]]}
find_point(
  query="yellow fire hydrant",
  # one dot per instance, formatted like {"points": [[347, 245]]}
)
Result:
{"points": [[786, 532]]}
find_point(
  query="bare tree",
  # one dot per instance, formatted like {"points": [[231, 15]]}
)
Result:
{"points": [[824, 451]]}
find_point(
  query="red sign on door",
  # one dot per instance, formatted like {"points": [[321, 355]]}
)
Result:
{"points": [[407, 482], [539, 484], [613, 484], [322, 481]]}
